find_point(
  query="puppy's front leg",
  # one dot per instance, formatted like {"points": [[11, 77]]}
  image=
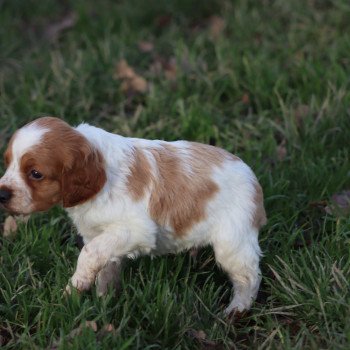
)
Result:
{"points": [[95, 255]]}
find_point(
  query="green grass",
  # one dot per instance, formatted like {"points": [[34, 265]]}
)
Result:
{"points": [[278, 73]]}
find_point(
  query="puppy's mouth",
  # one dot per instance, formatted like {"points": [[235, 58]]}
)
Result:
{"points": [[12, 211]]}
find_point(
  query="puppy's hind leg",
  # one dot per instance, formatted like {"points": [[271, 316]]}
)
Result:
{"points": [[109, 276], [240, 260]]}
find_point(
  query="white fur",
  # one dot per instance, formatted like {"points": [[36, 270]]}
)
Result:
{"points": [[24, 140]]}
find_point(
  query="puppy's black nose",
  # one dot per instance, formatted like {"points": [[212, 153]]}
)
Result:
{"points": [[5, 196]]}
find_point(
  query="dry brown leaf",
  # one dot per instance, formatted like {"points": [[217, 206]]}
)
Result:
{"points": [[145, 46], [53, 31], [300, 113], [163, 21], [281, 151], [170, 69], [340, 204], [245, 99], [124, 71], [299, 56], [199, 335], [131, 81], [92, 325], [105, 330], [108, 327], [163, 66], [74, 333], [156, 68], [11, 224], [318, 204], [216, 26], [136, 84], [10, 227], [201, 338]]}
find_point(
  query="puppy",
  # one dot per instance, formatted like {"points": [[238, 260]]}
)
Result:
{"points": [[130, 196]]}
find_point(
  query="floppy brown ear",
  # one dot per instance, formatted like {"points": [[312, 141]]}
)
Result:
{"points": [[84, 178]]}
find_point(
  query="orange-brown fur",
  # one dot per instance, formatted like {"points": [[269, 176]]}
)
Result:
{"points": [[73, 171], [139, 178], [177, 198], [47, 192], [212, 155], [180, 198]]}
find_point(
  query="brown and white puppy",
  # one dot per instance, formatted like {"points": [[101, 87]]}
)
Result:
{"points": [[131, 196]]}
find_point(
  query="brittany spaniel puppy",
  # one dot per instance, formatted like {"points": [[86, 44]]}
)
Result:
{"points": [[130, 196]]}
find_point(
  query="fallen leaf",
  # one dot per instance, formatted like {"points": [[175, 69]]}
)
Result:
{"points": [[300, 113], [156, 68], [198, 335], [201, 338], [281, 151], [105, 330], [170, 70], [318, 204], [131, 81], [91, 324], [11, 224], [163, 21], [235, 315], [23, 218], [339, 204], [216, 26], [299, 56], [245, 99], [124, 71], [74, 333], [145, 46], [135, 84], [108, 327], [54, 30], [163, 66]]}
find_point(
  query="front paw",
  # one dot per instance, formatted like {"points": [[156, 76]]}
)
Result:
{"points": [[78, 283]]}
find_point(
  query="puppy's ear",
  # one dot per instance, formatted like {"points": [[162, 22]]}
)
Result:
{"points": [[83, 177]]}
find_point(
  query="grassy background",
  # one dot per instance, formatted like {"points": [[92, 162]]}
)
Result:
{"points": [[273, 87]]}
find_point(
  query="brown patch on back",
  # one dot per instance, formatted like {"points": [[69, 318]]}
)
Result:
{"points": [[211, 154], [259, 216], [179, 197], [73, 169], [139, 178]]}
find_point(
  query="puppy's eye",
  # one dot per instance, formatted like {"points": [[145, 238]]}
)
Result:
{"points": [[35, 175]]}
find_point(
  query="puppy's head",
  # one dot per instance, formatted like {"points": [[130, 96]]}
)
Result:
{"points": [[47, 163]]}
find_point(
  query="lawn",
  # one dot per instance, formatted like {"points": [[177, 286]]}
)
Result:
{"points": [[267, 80]]}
